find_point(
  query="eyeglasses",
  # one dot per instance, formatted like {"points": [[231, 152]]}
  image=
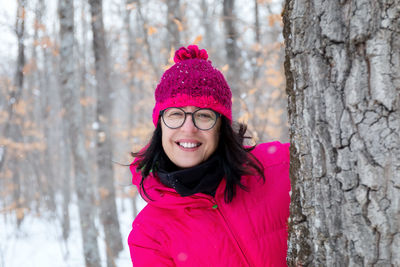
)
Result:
{"points": [[203, 119]]}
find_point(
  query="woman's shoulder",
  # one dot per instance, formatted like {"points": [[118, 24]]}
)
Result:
{"points": [[146, 226], [272, 153]]}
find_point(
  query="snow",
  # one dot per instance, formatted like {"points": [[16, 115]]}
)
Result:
{"points": [[38, 241]]}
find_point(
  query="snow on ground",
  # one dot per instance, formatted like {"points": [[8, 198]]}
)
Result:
{"points": [[38, 242]]}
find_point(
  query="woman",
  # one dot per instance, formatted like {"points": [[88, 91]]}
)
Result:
{"points": [[211, 200]]}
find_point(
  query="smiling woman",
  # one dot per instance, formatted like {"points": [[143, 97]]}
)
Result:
{"points": [[211, 200], [188, 146]]}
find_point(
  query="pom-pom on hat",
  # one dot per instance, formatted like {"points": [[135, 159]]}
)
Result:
{"points": [[193, 81]]}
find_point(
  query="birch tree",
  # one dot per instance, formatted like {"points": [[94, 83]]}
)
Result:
{"points": [[70, 96], [343, 80]]}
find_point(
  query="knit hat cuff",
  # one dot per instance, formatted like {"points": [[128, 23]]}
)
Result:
{"points": [[184, 100]]}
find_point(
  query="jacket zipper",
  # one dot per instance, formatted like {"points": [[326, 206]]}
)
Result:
{"points": [[229, 230]]}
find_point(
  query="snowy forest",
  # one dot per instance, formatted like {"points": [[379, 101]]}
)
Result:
{"points": [[77, 80]]}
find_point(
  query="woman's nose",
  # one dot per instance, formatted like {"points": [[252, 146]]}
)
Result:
{"points": [[188, 125]]}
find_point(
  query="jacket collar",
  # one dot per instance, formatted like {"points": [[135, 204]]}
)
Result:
{"points": [[166, 197]]}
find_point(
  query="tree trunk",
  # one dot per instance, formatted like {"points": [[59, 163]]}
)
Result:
{"points": [[16, 91], [108, 209], [12, 129], [132, 91], [257, 34], [152, 61], [44, 176], [232, 54], [206, 21], [73, 119], [343, 80], [174, 18]]}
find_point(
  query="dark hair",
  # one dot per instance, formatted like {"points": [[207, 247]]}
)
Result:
{"points": [[235, 157]]}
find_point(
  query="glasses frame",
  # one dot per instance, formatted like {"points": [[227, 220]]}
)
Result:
{"points": [[193, 120]]}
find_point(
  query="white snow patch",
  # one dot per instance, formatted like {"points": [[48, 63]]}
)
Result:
{"points": [[38, 241]]}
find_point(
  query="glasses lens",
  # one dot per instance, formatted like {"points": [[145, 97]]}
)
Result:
{"points": [[204, 118], [173, 117]]}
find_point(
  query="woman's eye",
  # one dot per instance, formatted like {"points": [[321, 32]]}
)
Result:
{"points": [[204, 116], [175, 114]]}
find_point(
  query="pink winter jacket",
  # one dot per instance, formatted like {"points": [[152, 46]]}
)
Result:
{"points": [[201, 230]]}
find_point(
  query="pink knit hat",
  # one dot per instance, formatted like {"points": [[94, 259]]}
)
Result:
{"points": [[193, 81]]}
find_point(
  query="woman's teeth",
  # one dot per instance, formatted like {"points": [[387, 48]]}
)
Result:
{"points": [[188, 145]]}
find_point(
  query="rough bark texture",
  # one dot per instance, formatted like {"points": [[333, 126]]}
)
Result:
{"points": [[70, 96], [343, 81], [108, 208]]}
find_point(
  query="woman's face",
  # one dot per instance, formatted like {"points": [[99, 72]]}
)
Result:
{"points": [[188, 146]]}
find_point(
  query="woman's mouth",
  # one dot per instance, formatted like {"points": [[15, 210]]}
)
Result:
{"points": [[188, 145]]}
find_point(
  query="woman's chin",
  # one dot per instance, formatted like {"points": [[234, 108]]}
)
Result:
{"points": [[187, 163]]}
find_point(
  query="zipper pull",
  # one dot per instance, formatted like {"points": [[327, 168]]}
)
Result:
{"points": [[215, 203]]}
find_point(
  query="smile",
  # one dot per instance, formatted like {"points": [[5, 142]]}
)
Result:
{"points": [[188, 145]]}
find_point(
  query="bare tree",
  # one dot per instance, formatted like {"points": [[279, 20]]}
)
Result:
{"points": [[108, 209], [70, 96], [12, 128], [257, 34], [63, 146], [38, 158], [207, 24], [174, 21], [132, 92], [16, 91], [343, 81], [147, 44], [232, 53]]}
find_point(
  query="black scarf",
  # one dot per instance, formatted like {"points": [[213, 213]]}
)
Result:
{"points": [[203, 178]]}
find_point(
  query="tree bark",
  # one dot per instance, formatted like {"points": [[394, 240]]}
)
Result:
{"points": [[70, 97], [343, 80], [108, 209]]}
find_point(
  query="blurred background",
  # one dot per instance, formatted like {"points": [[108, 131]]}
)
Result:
{"points": [[41, 193]]}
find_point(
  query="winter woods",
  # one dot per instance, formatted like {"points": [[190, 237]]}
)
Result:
{"points": [[77, 80], [76, 86]]}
